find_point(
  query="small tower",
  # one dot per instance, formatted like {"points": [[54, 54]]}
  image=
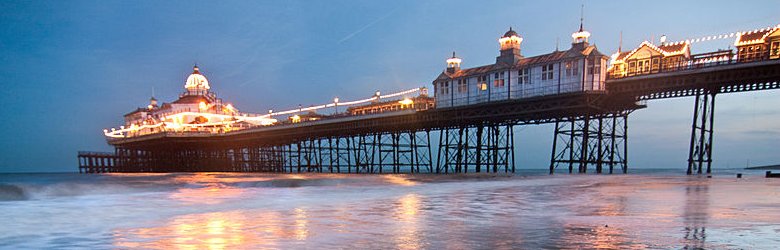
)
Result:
{"points": [[152, 103], [510, 47], [453, 64]]}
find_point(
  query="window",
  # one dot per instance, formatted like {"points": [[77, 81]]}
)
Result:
{"points": [[775, 49], [523, 76], [547, 72], [575, 68], [462, 85], [643, 66], [594, 67], [498, 79], [482, 82], [572, 68], [445, 88], [656, 64]]}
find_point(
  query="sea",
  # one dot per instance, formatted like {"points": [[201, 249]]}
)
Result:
{"points": [[645, 209]]}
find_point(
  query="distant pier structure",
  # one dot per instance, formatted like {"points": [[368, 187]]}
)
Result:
{"points": [[464, 126]]}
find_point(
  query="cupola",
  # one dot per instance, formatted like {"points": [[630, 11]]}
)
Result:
{"points": [[196, 82], [510, 47], [453, 64]]}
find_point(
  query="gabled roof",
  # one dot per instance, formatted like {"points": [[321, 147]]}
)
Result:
{"points": [[470, 71], [619, 56], [674, 48], [523, 62], [138, 110], [671, 49], [754, 37]]}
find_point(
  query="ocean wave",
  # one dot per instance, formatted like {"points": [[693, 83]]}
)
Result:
{"points": [[11, 193], [31, 191]]}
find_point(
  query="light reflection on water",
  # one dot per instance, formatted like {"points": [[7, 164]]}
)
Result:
{"points": [[229, 211], [407, 232]]}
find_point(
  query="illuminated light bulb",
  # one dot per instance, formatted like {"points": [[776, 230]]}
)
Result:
{"points": [[406, 101], [336, 100], [105, 131], [121, 127]]}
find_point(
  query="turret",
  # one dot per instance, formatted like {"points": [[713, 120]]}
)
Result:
{"points": [[510, 47], [453, 64], [152, 103]]}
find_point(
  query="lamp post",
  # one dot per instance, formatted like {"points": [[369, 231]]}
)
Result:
{"points": [[336, 104]]}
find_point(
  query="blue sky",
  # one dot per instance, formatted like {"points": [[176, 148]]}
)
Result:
{"points": [[68, 69]]}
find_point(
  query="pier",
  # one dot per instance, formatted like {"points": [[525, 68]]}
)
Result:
{"points": [[588, 97]]}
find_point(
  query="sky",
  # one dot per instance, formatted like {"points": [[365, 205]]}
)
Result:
{"points": [[69, 69]]}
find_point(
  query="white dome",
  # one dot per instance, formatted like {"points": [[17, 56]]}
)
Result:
{"points": [[196, 80]]}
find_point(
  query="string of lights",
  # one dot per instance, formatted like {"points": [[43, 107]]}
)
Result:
{"points": [[723, 35], [228, 120]]}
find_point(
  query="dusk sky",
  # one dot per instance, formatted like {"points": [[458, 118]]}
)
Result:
{"points": [[69, 69]]}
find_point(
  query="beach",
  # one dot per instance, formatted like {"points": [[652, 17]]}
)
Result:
{"points": [[529, 210]]}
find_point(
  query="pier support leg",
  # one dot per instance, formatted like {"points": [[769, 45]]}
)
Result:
{"points": [[486, 148], [700, 150], [599, 140]]}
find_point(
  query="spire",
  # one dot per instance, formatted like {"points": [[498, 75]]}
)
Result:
{"points": [[582, 16], [620, 44], [581, 36]]}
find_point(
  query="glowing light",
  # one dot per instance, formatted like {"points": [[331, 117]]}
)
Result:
{"points": [[336, 100], [510, 42], [406, 101], [222, 123], [202, 106], [175, 122], [295, 119], [196, 81], [453, 61], [580, 35]]}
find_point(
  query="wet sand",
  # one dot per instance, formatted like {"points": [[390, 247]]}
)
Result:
{"points": [[228, 211]]}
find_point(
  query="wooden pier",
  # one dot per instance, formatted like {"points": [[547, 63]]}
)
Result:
{"points": [[97, 162]]}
